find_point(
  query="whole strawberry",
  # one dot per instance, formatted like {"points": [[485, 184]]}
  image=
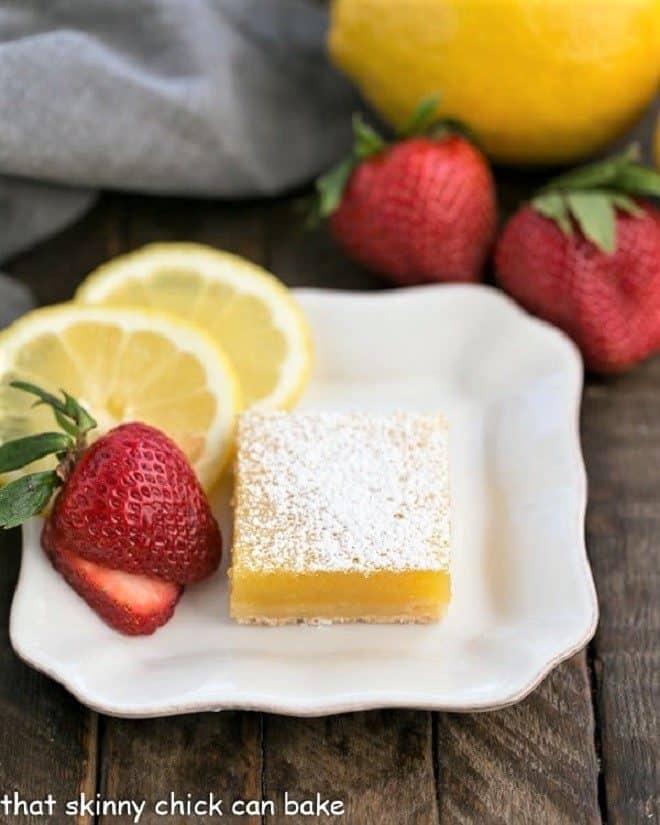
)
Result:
{"points": [[420, 210], [585, 255], [131, 524]]}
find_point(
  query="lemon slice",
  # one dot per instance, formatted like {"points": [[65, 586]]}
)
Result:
{"points": [[123, 365], [245, 309]]}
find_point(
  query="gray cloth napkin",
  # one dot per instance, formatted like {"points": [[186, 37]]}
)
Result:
{"points": [[198, 97]]}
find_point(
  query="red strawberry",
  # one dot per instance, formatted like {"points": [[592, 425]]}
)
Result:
{"points": [[131, 523], [586, 256], [420, 210], [133, 502], [133, 604]]}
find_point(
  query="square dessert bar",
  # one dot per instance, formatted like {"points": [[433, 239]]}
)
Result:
{"points": [[340, 518]]}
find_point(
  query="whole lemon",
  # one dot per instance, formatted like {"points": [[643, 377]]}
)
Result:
{"points": [[538, 81]]}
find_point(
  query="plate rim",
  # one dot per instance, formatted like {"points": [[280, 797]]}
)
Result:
{"points": [[370, 700]]}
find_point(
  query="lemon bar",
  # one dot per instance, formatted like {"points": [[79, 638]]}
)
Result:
{"points": [[340, 517]]}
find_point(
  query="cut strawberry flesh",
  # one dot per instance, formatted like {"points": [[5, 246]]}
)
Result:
{"points": [[133, 604]]}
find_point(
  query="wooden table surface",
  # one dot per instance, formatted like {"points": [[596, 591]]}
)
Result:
{"points": [[583, 748]]}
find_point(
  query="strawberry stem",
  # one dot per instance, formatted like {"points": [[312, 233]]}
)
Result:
{"points": [[29, 494], [589, 196], [16, 454], [368, 143], [330, 188], [599, 174], [75, 416], [25, 497], [422, 119], [367, 140]]}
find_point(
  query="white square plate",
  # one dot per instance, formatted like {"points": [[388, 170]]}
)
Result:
{"points": [[523, 593]]}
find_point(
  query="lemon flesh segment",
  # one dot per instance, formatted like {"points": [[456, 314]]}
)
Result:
{"points": [[122, 365], [244, 308]]}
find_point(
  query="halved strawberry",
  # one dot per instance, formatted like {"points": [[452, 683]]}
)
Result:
{"points": [[133, 604], [130, 524], [132, 502]]}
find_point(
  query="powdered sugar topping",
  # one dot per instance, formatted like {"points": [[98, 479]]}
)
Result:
{"points": [[345, 492]]}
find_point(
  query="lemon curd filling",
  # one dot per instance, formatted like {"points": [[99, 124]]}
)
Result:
{"points": [[340, 517], [381, 596]]}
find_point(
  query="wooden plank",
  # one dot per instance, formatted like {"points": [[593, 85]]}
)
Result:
{"points": [[533, 762], [304, 257], [48, 742], [55, 267], [469, 751], [191, 754], [188, 757], [236, 227], [621, 426], [301, 751], [379, 764], [194, 753]]}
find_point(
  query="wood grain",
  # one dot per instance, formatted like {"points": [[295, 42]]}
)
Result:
{"points": [[534, 762], [188, 756], [235, 227], [192, 754], [621, 436], [378, 763], [304, 257], [53, 269], [47, 740], [490, 767]]}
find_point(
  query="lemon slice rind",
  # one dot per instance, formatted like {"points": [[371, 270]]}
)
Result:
{"points": [[221, 381], [224, 268]]}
